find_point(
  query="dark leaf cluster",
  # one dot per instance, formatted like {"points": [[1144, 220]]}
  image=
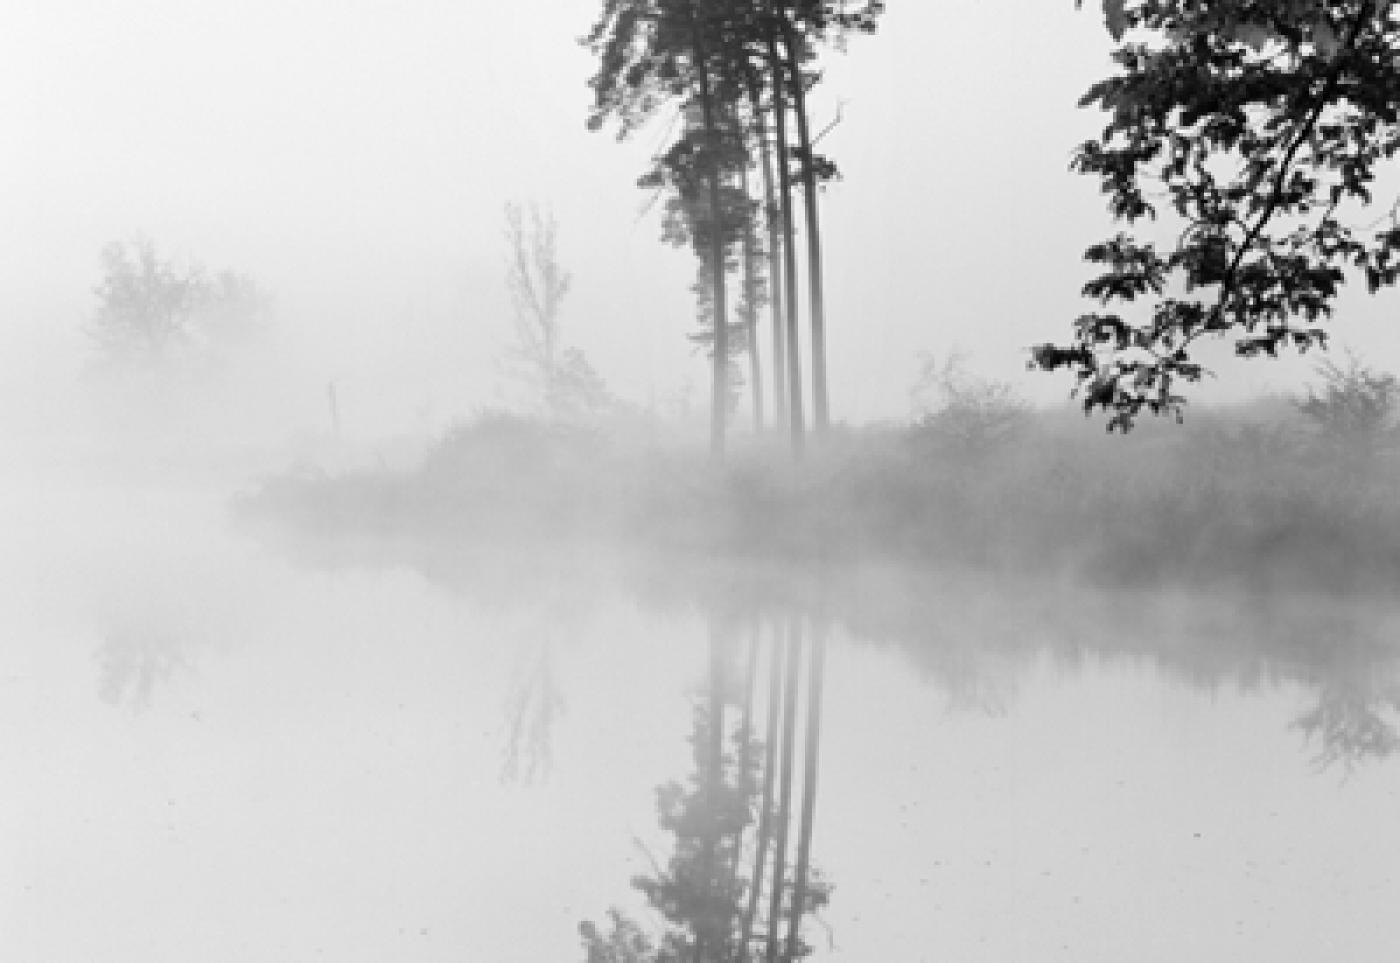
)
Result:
{"points": [[1257, 126]]}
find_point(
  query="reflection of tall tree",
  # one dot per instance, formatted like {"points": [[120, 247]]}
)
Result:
{"points": [[713, 926], [765, 810], [709, 892], [800, 889], [792, 656], [694, 893], [745, 773]]}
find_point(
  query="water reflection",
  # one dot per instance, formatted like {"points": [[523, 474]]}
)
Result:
{"points": [[533, 706], [1002, 765], [963, 631], [535, 700], [968, 634], [1356, 676], [1352, 723], [740, 879], [133, 658]]}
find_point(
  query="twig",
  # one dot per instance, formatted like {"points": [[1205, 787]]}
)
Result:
{"points": [[840, 106]]}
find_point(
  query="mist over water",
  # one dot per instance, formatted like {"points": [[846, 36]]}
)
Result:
{"points": [[375, 612], [234, 733]]}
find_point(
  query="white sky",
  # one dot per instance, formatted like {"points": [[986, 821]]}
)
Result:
{"points": [[355, 157]]}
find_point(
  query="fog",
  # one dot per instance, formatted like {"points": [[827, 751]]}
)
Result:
{"points": [[346, 620], [339, 721], [355, 162]]}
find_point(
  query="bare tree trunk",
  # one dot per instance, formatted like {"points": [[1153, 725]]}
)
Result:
{"points": [[751, 309], [775, 898], [537, 286], [771, 216], [820, 411], [815, 671], [794, 374], [770, 757], [719, 401]]}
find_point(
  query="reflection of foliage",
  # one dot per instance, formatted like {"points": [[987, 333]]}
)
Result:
{"points": [[692, 892], [974, 688], [1349, 722], [1309, 611], [1350, 662], [132, 659], [702, 890], [531, 712]]}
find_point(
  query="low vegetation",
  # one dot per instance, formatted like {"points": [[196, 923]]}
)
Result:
{"points": [[1267, 496]]}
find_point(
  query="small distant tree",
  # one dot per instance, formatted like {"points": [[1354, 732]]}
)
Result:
{"points": [[566, 383], [232, 309], [624, 942], [152, 311]]}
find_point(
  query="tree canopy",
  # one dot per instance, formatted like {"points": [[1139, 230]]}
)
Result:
{"points": [[153, 311], [1254, 129], [727, 64]]}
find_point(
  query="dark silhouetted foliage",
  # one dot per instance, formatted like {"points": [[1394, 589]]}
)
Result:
{"points": [[1257, 127]]}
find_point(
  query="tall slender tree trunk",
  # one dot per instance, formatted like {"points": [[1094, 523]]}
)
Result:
{"points": [[751, 310], [820, 409], [815, 671], [719, 401], [771, 215], [784, 815], [770, 758], [794, 373]]}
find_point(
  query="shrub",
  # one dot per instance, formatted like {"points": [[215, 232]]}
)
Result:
{"points": [[1355, 405]]}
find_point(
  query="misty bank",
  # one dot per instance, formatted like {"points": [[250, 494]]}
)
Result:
{"points": [[1248, 498]]}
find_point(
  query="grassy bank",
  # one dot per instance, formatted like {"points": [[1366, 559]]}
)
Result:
{"points": [[1254, 497]]}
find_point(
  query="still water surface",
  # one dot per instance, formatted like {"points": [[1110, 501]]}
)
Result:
{"points": [[215, 750]]}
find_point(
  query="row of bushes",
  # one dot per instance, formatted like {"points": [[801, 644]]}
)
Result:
{"points": [[1254, 496]]}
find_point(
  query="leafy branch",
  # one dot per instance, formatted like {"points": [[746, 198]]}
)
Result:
{"points": [[1261, 120]]}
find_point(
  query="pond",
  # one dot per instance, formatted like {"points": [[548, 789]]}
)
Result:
{"points": [[218, 745]]}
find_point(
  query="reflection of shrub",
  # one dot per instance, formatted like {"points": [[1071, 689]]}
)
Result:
{"points": [[1352, 723], [1354, 405]]}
